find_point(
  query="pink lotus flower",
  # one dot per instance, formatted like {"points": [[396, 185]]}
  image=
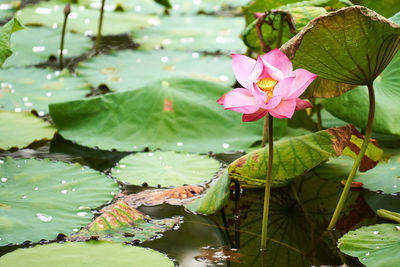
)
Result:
{"points": [[270, 86]]}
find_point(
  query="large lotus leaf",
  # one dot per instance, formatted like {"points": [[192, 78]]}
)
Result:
{"points": [[387, 97], [5, 36], [165, 169], [18, 130], [93, 253], [43, 43], [35, 89], [82, 20], [384, 177], [178, 6], [375, 245], [8, 8], [384, 7], [121, 223], [352, 45], [295, 156], [49, 197], [215, 198], [300, 15], [174, 114], [132, 69], [187, 33]]}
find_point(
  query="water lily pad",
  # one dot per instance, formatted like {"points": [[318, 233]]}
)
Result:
{"points": [[5, 36], [8, 8], [187, 33], [132, 69], [82, 20], [174, 114], [94, 253], [375, 245], [384, 177], [165, 169], [121, 223], [43, 43], [352, 45], [18, 130], [50, 197], [387, 97], [34, 89]]}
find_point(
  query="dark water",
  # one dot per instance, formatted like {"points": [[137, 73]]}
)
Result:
{"points": [[299, 215]]}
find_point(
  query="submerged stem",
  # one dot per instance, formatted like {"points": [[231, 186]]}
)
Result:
{"points": [[268, 183], [98, 38], [368, 132]]}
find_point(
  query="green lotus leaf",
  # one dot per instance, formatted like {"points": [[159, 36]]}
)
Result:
{"points": [[8, 8], [18, 130], [133, 69], [387, 97], [375, 245], [165, 169], [187, 33], [214, 199], [43, 43], [82, 20], [384, 177], [49, 197], [5, 36], [121, 223], [296, 156], [93, 253], [34, 89], [384, 7], [352, 45], [174, 114]]}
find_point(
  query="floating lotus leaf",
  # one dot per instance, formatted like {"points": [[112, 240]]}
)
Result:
{"points": [[18, 130], [49, 197], [174, 114], [384, 177], [121, 223], [352, 45], [387, 98], [34, 89], [93, 253], [82, 20], [132, 69], [375, 245], [8, 8], [187, 33], [5, 36], [165, 169], [43, 43], [295, 156]]}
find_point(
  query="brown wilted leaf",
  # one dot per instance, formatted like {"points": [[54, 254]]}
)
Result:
{"points": [[175, 196]]}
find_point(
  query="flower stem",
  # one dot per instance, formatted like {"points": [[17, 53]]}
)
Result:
{"points": [[264, 47], [98, 38], [368, 132], [268, 183], [67, 11], [280, 31], [265, 130]]}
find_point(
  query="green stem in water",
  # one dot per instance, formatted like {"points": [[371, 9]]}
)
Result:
{"points": [[357, 162], [67, 11], [268, 183], [98, 38]]}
